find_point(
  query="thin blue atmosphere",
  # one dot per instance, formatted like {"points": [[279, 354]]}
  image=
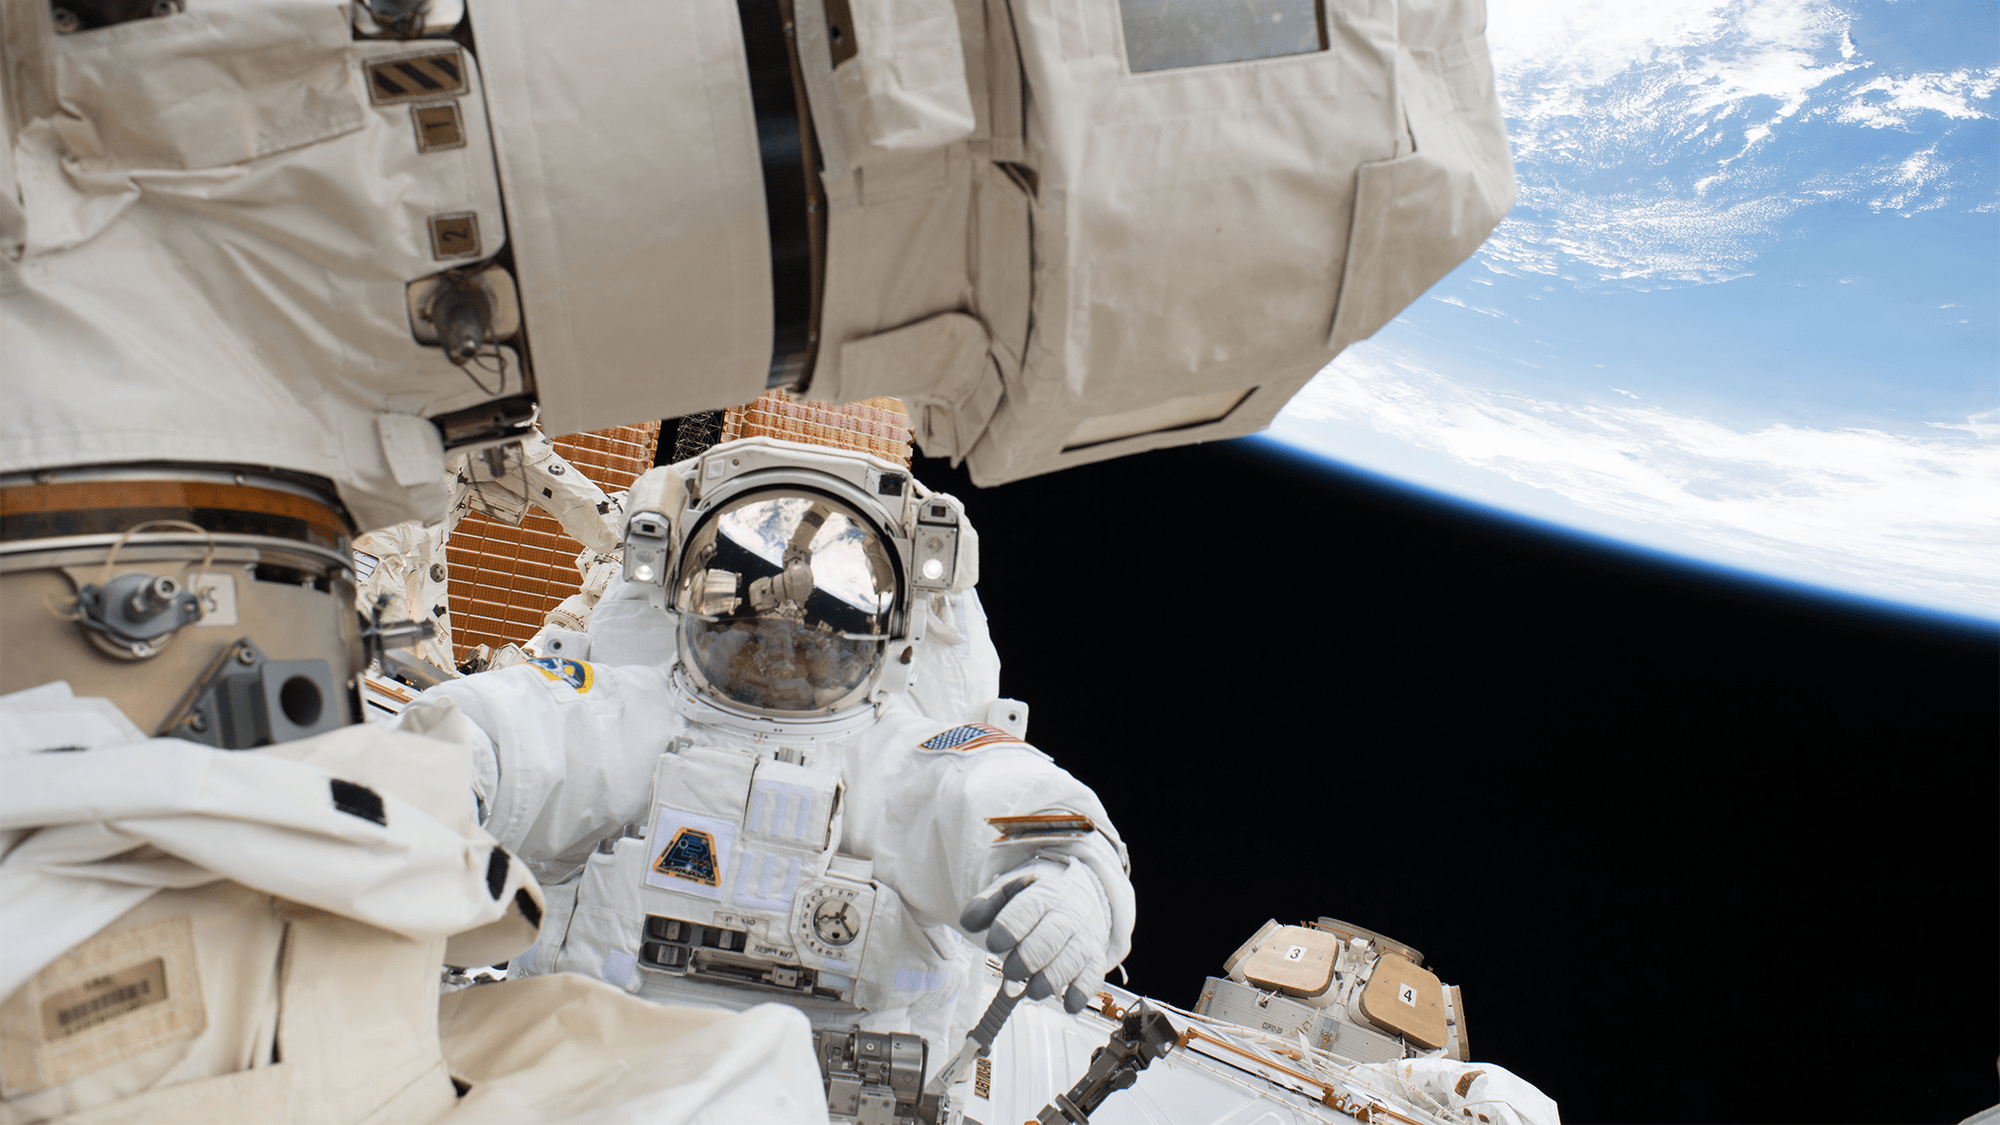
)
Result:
{"points": [[1745, 312], [1623, 551]]}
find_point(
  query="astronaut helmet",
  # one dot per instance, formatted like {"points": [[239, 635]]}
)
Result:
{"points": [[798, 573]]}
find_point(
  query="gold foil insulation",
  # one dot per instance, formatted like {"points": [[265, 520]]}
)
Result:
{"points": [[505, 579], [874, 425]]}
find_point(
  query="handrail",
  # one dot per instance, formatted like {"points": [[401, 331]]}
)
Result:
{"points": [[1329, 1096]]}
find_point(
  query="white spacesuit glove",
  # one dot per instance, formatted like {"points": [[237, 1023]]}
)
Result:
{"points": [[1052, 920]]}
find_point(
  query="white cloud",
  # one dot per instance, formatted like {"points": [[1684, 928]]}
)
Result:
{"points": [[1637, 236], [1895, 516], [1985, 426], [1582, 74], [1905, 188], [1886, 101], [1644, 134], [1469, 308]]}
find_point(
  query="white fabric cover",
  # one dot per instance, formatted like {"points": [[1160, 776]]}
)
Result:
{"points": [[266, 820], [1151, 252], [557, 770], [216, 227], [904, 88], [627, 148], [1471, 1090], [567, 1048], [955, 406], [313, 939], [215, 254]]}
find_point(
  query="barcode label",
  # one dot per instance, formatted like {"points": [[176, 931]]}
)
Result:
{"points": [[103, 999], [113, 997]]}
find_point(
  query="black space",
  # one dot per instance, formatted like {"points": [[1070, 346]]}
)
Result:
{"points": [[1696, 849]]}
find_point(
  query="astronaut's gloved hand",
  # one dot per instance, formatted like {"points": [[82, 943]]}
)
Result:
{"points": [[1052, 920]]}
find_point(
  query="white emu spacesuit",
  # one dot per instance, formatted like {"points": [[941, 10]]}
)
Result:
{"points": [[770, 817]]}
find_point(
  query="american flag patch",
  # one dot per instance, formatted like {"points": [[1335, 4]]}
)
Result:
{"points": [[971, 736]]}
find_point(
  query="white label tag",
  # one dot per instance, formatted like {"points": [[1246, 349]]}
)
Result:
{"points": [[1407, 994], [112, 998], [218, 599], [1296, 953]]}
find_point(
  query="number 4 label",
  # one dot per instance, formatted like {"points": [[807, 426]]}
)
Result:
{"points": [[1407, 994]]}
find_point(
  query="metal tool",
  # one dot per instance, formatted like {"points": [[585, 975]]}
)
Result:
{"points": [[978, 1041]]}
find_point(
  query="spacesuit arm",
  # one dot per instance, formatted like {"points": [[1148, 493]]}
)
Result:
{"points": [[441, 718], [922, 816], [534, 475], [563, 752]]}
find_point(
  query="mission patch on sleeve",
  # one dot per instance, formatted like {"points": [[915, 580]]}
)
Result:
{"points": [[572, 672]]}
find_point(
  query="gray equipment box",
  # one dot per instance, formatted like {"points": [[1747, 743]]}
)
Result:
{"points": [[1323, 1027]]}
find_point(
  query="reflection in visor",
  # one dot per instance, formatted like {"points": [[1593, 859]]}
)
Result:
{"points": [[845, 556], [785, 603], [779, 665]]}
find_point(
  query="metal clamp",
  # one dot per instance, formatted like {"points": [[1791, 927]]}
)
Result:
{"points": [[1143, 1035], [134, 616], [875, 1078]]}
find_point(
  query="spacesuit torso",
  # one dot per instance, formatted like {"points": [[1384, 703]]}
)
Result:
{"points": [[698, 862]]}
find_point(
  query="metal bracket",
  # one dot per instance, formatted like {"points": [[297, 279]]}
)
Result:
{"points": [[378, 636], [247, 700]]}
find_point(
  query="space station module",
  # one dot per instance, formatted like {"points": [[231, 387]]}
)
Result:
{"points": [[345, 241], [769, 816]]}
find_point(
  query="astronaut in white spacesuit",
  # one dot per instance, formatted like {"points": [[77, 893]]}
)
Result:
{"points": [[770, 817]]}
